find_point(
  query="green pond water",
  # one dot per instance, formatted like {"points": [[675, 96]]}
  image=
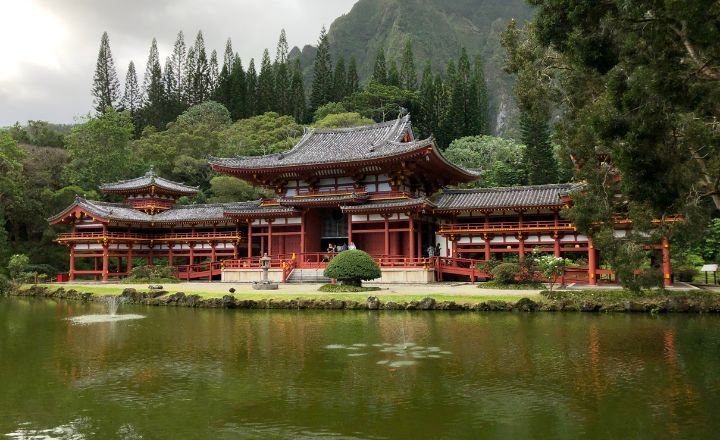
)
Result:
{"points": [[223, 374]]}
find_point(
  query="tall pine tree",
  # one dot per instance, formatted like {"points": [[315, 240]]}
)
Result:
{"points": [[339, 80], [213, 72], [322, 85], [153, 90], [462, 116], [252, 89], [132, 98], [223, 90], [265, 86], [179, 69], [408, 74], [352, 83], [106, 87], [539, 158], [201, 76], [393, 76], [379, 74], [297, 92], [483, 106], [189, 77], [238, 99], [282, 73]]}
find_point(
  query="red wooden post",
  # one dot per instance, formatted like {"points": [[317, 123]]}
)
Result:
{"points": [[487, 239], [302, 238], [349, 228], [105, 263], [592, 264], [129, 257], [387, 235], [411, 236], [249, 239], [667, 270], [269, 237], [71, 275]]}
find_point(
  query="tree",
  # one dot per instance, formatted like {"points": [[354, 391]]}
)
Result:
{"points": [[223, 92], [189, 97], [11, 187], [252, 90], [483, 113], [408, 74], [352, 267], [106, 87], [297, 91], [258, 135], [352, 83], [379, 74], [213, 72], [343, 120], [238, 95], [500, 161], [328, 109], [381, 102], [153, 112], [393, 76], [17, 265], [282, 77], [539, 157], [98, 150], [201, 84], [179, 69], [132, 98], [551, 267], [322, 85], [339, 80], [462, 117], [266, 85], [227, 189]]}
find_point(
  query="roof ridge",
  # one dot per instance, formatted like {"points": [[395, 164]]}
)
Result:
{"points": [[507, 188], [375, 125]]}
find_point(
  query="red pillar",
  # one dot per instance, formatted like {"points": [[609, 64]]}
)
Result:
{"points": [[129, 257], [667, 270], [105, 259], [71, 275], [302, 237], [387, 235], [192, 254], [521, 238], [212, 252], [269, 237], [411, 236], [349, 237], [249, 239], [556, 249], [418, 238], [592, 263], [170, 255], [487, 239]]}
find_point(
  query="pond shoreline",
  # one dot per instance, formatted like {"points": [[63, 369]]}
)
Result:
{"points": [[678, 303]]}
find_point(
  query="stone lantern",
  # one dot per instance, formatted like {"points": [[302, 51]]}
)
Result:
{"points": [[265, 284]]}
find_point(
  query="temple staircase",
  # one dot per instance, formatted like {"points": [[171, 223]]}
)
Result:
{"points": [[313, 275]]}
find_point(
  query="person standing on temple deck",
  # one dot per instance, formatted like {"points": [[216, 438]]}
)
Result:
{"points": [[352, 247], [437, 249], [431, 251]]}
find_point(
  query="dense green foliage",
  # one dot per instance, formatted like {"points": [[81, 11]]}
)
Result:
{"points": [[352, 267], [500, 161], [346, 288], [506, 273]]}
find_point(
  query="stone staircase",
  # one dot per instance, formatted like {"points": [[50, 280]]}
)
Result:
{"points": [[308, 276]]}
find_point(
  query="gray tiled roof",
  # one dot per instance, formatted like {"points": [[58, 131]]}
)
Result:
{"points": [[319, 146], [335, 198], [255, 208], [146, 181], [389, 204], [506, 197], [120, 212]]}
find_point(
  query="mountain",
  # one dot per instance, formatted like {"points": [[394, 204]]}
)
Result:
{"points": [[437, 29]]}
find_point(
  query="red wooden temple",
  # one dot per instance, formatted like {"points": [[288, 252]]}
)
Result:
{"points": [[375, 187]]}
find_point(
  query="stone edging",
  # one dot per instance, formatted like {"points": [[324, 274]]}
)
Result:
{"points": [[162, 298]]}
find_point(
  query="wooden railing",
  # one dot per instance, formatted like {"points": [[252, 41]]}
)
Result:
{"points": [[541, 225], [193, 236]]}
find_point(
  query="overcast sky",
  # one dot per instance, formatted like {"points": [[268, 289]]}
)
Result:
{"points": [[48, 48]]}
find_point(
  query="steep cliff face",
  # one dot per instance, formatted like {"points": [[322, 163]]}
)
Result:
{"points": [[437, 29]]}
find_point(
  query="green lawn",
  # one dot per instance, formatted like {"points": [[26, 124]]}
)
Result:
{"points": [[255, 295]]}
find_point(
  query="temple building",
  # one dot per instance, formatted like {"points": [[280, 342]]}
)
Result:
{"points": [[376, 188]]}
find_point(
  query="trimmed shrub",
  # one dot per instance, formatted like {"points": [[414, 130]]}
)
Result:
{"points": [[352, 267], [44, 269], [17, 264], [686, 273], [506, 273], [151, 274]]}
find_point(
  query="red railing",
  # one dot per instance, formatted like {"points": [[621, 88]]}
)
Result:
{"points": [[199, 271], [540, 225], [79, 236]]}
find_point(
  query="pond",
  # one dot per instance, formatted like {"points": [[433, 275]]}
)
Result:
{"points": [[188, 373]]}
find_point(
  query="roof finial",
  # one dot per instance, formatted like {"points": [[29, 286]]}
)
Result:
{"points": [[151, 173], [403, 112]]}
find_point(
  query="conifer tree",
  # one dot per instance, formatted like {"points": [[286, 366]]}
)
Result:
{"points": [[462, 115], [408, 75], [339, 80], [189, 77], [179, 69], [169, 79], [106, 87], [483, 107], [352, 83], [297, 91], [539, 158], [282, 78], [427, 119], [379, 69], [252, 85], [223, 90], [265, 86], [132, 98], [321, 92], [201, 76], [441, 103], [238, 95], [213, 72], [393, 76], [153, 90]]}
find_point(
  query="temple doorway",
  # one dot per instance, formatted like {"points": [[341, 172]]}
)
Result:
{"points": [[333, 228]]}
